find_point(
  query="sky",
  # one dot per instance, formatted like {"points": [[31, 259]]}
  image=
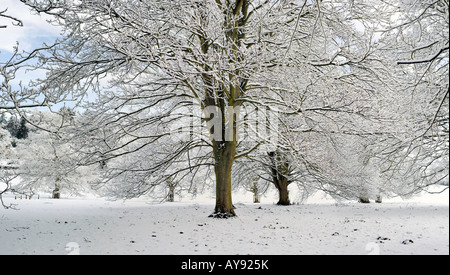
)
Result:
{"points": [[34, 32]]}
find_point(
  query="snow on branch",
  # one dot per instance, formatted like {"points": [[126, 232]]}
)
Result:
{"points": [[427, 60], [16, 21]]}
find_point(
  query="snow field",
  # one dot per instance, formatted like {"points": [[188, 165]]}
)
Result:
{"points": [[96, 226]]}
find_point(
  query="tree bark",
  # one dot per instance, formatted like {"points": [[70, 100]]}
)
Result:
{"points": [[171, 195], [255, 190], [224, 153], [256, 198], [283, 193], [364, 200], [56, 194]]}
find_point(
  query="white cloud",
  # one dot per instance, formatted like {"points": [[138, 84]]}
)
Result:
{"points": [[34, 32]]}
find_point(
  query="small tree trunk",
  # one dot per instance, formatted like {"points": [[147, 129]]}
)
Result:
{"points": [[255, 190], [256, 198], [364, 200], [363, 195], [56, 193], [171, 195], [379, 199]]}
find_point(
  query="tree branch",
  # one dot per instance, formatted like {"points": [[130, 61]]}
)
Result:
{"points": [[431, 59]]}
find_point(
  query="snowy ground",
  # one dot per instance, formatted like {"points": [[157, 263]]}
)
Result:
{"points": [[94, 226]]}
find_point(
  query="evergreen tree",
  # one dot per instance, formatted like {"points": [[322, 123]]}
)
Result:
{"points": [[12, 126], [22, 131]]}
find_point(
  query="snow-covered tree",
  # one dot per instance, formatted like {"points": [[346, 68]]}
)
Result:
{"points": [[7, 164], [47, 162], [223, 54], [7, 74], [15, 95], [151, 71], [416, 37], [250, 175]]}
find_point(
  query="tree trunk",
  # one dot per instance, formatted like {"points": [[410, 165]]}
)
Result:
{"points": [[224, 153], [363, 195], [364, 200], [280, 170], [56, 193], [379, 199], [283, 193], [255, 190], [256, 198], [171, 195]]}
